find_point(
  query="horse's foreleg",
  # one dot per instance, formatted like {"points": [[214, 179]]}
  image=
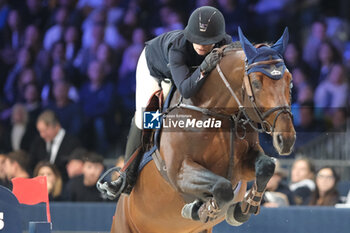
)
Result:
{"points": [[196, 180], [264, 169], [239, 213], [211, 189]]}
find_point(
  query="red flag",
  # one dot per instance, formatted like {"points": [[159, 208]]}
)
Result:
{"points": [[32, 191]]}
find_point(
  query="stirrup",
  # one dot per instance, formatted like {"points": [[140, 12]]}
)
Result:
{"points": [[104, 187]]}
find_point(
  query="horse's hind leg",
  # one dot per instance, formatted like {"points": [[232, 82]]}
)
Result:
{"points": [[208, 187]]}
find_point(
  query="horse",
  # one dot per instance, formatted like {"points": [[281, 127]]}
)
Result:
{"points": [[204, 173]]}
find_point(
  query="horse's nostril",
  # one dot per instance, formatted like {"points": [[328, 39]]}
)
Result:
{"points": [[279, 140]]}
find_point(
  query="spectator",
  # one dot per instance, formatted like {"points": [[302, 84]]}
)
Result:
{"points": [[301, 84], [277, 192], [55, 33], [293, 60], [111, 33], [95, 18], [274, 13], [127, 72], [88, 5], [3, 178], [339, 118], [313, 43], [308, 127], [56, 55], [326, 193], [4, 11], [333, 92], [83, 188], [130, 22], [105, 55], [54, 144], [32, 101], [53, 178], [11, 38], [24, 61], [302, 184], [75, 15], [16, 165], [88, 52], [236, 14], [292, 56], [75, 162], [328, 56], [5, 144], [69, 113], [72, 40], [171, 20], [35, 13], [22, 132], [97, 98], [32, 38], [114, 11], [58, 74]]}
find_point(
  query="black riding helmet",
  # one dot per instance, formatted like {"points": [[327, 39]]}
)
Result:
{"points": [[206, 25]]}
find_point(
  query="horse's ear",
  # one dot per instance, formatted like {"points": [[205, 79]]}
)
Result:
{"points": [[281, 44], [248, 48]]}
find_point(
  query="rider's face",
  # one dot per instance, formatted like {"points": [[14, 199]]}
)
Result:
{"points": [[203, 49]]}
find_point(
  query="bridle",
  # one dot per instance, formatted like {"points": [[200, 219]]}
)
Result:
{"points": [[241, 119]]}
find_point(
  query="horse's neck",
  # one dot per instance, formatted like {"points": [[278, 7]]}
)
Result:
{"points": [[214, 93]]}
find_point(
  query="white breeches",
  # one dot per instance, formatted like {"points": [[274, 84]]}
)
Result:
{"points": [[146, 85]]}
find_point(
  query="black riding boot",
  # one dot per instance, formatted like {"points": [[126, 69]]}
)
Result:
{"points": [[130, 176]]}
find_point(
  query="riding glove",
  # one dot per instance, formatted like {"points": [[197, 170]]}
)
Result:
{"points": [[209, 63]]}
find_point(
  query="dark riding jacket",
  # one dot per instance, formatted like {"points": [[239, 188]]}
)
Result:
{"points": [[171, 56]]}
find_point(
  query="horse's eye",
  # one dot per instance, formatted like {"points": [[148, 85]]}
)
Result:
{"points": [[256, 84]]}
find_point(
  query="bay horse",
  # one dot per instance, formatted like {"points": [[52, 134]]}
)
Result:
{"points": [[207, 170]]}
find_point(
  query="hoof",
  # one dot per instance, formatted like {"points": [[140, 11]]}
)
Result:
{"points": [[223, 192], [235, 217], [190, 211]]}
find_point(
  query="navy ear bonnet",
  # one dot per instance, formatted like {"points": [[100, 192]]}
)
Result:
{"points": [[265, 53]]}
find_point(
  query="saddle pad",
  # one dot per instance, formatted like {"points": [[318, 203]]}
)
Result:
{"points": [[147, 156]]}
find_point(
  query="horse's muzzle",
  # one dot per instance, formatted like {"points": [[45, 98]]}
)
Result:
{"points": [[283, 142]]}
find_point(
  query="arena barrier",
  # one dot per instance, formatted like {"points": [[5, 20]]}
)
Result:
{"points": [[97, 217], [11, 216]]}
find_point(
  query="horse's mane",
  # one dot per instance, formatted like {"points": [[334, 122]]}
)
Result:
{"points": [[233, 46], [236, 45]]}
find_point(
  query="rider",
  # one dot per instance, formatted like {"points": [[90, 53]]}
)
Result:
{"points": [[182, 56]]}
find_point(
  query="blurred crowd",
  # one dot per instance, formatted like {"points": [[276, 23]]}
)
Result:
{"points": [[304, 186], [68, 75]]}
